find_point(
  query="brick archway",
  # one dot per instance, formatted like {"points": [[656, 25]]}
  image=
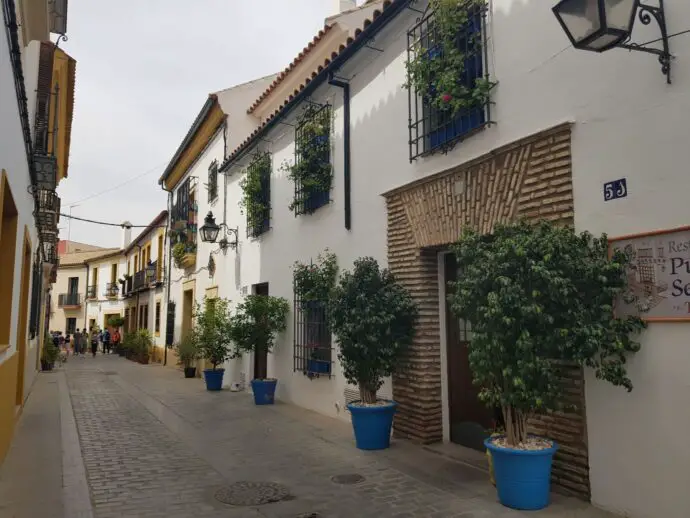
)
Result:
{"points": [[530, 179]]}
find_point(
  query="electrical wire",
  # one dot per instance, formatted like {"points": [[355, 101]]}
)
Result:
{"points": [[114, 187], [121, 225]]}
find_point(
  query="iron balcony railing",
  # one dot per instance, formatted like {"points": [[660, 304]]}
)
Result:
{"points": [[91, 292], [127, 286], [139, 280], [69, 299], [112, 289]]}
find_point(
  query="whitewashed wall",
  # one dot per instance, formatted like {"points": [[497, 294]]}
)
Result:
{"points": [[102, 305], [14, 161], [627, 123]]}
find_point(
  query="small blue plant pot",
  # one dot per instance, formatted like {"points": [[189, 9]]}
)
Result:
{"points": [[264, 391], [523, 477], [214, 379], [318, 367], [372, 425]]}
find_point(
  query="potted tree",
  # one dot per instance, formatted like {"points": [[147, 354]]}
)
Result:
{"points": [[48, 355], [373, 318], [254, 326], [537, 296], [187, 351], [212, 334], [144, 344]]}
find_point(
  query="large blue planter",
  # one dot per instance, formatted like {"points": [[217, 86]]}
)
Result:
{"points": [[372, 425], [214, 378], [264, 391], [523, 477]]}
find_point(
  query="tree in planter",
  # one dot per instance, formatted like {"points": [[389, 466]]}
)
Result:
{"points": [[116, 322], [212, 330], [255, 324], [373, 318], [537, 296], [437, 65], [311, 171], [143, 345]]}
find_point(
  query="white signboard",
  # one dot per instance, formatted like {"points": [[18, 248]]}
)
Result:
{"points": [[659, 275]]}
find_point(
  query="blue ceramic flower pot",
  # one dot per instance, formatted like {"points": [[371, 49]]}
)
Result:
{"points": [[214, 378], [372, 425], [264, 391], [523, 477]]}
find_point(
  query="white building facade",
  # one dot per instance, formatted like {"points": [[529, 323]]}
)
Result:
{"points": [[562, 126]]}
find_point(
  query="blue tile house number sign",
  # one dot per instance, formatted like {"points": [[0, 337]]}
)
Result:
{"points": [[615, 189]]}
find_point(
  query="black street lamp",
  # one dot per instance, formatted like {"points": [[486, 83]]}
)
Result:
{"points": [[209, 232], [600, 25]]}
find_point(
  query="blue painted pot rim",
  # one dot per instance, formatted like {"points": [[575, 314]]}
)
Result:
{"points": [[377, 408], [211, 370], [514, 451], [275, 380]]}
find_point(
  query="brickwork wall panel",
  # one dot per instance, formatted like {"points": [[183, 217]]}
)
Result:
{"points": [[530, 179]]}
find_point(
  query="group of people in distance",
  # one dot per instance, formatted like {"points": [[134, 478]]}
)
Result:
{"points": [[80, 340]]}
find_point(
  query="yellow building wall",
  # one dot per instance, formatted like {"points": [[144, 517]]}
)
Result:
{"points": [[8, 392]]}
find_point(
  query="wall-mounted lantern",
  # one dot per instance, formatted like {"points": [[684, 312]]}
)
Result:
{"points": [[210, 229], [600, 25]]}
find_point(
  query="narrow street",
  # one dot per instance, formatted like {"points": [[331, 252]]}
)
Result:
{"points": [[109, 438]]}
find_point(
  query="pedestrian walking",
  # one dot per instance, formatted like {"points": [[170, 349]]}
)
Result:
{"points": [[106, 342], [94, 342], [116, 340], [78, 337]]}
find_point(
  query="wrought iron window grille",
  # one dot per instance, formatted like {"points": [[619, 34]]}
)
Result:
{"points": [[258, 209], [433, 130], [313, 347], [212, 186], [313, 147]]}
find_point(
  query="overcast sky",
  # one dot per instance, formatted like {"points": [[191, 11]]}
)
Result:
{"points": [[144, 70]]}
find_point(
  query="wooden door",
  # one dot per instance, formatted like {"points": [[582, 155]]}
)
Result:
{"points": [[260, 360], [470, 419]]}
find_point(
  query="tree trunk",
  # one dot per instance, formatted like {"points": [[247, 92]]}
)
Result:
{"points": [[366, 394], [260, 364], [516, 425]]}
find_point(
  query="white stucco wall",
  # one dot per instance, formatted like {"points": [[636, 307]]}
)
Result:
{"points": [[102, 305], [13, 161], [627, 123]]}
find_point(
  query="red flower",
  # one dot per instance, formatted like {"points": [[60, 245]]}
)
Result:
{"points": [[447, 98]]}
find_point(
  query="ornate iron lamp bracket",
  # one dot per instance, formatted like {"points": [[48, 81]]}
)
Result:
{"points": [[645, 15]]}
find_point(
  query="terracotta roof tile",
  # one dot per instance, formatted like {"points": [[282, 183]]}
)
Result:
{"points": [[305, 52], [375, 14]]}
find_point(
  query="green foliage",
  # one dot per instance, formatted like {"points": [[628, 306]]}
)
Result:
{"points": [[373, 318], [252, 191], [212, 330], [178, 252], [310, 172], [539, 296], [315, 282], [256, 322], [436, 65], [116, 321], [49, 353], [187, 349]]}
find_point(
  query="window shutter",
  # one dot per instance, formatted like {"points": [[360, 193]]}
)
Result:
{"points": [[35, 315], [170, 324]]}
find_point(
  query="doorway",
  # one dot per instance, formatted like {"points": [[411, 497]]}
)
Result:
{"points": [[470, 420], [260, 360]]}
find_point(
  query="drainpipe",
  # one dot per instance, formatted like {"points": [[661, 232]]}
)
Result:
{"points": [[346, 145], [169, 272]]}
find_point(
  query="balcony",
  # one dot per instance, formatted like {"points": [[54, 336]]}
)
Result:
{"points": [[127, 286], [139, 280], [69, 300], [148, 277], [111, 290], [91, 292], [48, 209]]}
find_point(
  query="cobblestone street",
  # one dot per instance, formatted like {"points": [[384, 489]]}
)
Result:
{"points": [[156, 445]]}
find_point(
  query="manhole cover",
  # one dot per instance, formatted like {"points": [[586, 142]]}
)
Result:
{"points": [[251, 493], [350, 478]]}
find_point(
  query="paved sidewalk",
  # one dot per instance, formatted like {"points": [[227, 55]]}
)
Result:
{"points": [[156, 445]]}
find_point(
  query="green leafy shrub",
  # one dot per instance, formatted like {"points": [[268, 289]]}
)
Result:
{"points": [[49, 353], [212, 330], [315, 282], [538, 296], [116, 322], [187, 349], [255, 324], [373, 318], [179, 250]]}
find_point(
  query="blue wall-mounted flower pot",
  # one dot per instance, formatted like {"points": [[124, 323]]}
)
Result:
{"points": [[214, 378], [523, 477], [264, 391], [372, 425]]}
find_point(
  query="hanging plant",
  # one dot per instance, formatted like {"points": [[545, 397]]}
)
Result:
{"points": [[437, 65], [312, 171], [315, 282], [252, 203], [178, 253]]}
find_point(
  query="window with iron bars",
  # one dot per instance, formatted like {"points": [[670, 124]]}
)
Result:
{"points": [[256, 187], [312, 171], [430, 128], [313, 351], [212, 185]]}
